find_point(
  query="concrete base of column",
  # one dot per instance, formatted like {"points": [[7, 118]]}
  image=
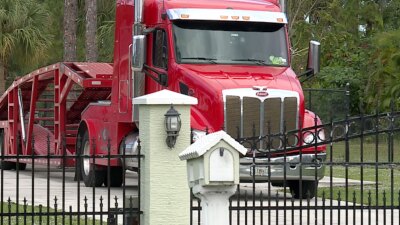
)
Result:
{"points": [[214, 203]]}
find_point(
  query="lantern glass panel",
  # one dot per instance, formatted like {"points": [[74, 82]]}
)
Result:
{"points": [[174, 123]]}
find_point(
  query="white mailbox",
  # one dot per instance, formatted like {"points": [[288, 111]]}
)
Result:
{"points": [[213, 160]]}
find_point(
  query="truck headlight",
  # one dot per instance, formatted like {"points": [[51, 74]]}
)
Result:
{"points": [[313, 138], [197, 134]]}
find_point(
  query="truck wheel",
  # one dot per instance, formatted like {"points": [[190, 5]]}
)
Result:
{"points": [[20, 166], [4, 165], [308, 189], [116, 177], [91, 175]]}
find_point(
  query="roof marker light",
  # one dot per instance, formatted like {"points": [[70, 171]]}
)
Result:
{"points": [[280, 20], [184, 16], [246, 17], [224, 17], [235, 17]]}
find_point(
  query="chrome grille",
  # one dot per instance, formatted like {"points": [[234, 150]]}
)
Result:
{"points": [[252, 116], [233, 115]]}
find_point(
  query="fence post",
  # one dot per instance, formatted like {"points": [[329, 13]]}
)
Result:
{"points": [[164, 197]]}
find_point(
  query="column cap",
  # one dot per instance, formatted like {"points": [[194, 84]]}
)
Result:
{"points": [[165, 97]]}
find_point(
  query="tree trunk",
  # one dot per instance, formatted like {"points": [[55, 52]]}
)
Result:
{"points": [[3, 79], [70, 27], [353, 17], [91, 28], [382, 5]]}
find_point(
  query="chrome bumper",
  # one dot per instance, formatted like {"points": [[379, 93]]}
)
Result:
{"points": [[312, 168]]}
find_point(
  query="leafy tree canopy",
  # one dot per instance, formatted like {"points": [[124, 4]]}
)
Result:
{"points": [[360, 41], [24, 38]]}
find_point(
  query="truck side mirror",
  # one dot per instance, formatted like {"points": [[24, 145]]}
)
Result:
{"points": [[138, 52], [314, 56]]}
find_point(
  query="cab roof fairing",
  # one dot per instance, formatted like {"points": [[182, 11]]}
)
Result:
{"points": [[227, 15]]}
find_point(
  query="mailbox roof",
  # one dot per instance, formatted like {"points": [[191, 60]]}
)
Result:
{"points": [[205, 143]]}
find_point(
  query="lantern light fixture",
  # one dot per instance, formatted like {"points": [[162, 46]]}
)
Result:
{"points": [[172, 126]]}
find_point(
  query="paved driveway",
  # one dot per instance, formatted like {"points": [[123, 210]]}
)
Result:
{"points": [[71, 199], [43, 195]]}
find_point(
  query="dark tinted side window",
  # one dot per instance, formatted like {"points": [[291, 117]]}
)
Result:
{"points": [[160, 54]]}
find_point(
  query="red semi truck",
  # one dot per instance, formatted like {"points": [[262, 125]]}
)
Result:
{"points": [[233, 55]]}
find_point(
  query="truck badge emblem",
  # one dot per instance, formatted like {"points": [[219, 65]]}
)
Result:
{"points": [[261, 91], [262, 94]]}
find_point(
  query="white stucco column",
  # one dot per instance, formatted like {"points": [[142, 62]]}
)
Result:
{"points": [[165, 198]]}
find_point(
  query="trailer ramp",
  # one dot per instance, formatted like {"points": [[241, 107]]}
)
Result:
{"points": [[44, 107]]}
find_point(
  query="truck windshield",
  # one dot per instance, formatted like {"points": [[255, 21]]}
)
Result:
{"points": [[216, 42]]}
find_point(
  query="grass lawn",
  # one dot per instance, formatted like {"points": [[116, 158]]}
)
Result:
{"points": [[361, 193], [25, 216], [372, 152], [387, 177]]}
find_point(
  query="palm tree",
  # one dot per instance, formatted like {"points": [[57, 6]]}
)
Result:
{"points": [[70, 29], [23, 35], [105, 31], [91, 30]]}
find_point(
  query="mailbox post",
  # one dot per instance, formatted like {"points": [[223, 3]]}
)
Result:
{"points": [[213, 174]]}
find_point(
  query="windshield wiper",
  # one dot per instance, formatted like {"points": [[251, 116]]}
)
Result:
{"points": [[211, 60], [258, 61]]}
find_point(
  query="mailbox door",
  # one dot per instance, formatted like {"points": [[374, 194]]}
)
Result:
{"points": [[221, 165]]}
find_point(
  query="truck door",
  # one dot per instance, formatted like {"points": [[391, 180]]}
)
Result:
{"points": [[158, 68]]}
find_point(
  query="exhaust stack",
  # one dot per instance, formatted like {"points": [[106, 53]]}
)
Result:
{"points": [[138, 4], [138, 77], [282, 3]]}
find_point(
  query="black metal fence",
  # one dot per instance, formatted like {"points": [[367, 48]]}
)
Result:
{"points": [[38, 189], [344, 172], [328, 104]]}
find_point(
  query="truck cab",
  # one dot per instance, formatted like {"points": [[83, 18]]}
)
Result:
{"points": [[234, 56]]}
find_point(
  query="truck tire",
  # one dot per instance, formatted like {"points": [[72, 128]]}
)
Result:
{"points": [[91, 175], [4, 165], [308, 189], [116, 177], [20, 166]]}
